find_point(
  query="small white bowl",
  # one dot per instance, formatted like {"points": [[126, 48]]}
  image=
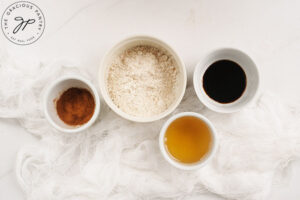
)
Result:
{"points": [[53, 93], [131, 42], [248, 66], [187, 166]]}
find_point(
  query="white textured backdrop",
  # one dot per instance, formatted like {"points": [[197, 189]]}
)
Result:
{"points": [[269, 31], [118, 159]]}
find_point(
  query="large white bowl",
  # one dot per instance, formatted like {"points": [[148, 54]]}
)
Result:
{"points": [[246, 64], [55, 90], [131, 42]]}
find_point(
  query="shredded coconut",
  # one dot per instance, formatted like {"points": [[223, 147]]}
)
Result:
{"points": [[142, 80]]}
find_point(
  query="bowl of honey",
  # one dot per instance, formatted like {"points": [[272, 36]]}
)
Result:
{"points": [[188, 140]]}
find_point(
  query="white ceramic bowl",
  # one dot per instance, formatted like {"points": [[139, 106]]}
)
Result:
{"points": [[246, 64], [187, 166], [55, 90], [131, 42]]}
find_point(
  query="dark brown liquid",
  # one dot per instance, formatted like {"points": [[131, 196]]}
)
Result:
{"points": [[224, 81]]}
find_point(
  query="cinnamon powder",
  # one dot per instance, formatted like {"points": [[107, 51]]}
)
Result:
{"points": [[75, 106]]}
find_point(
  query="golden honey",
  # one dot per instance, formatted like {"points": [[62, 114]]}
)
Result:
{"points": [[188, 139]]}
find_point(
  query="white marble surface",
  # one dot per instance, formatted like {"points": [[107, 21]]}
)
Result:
{"points": [[82, 30]]}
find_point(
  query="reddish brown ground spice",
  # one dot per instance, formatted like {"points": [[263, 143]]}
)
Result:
{"points": [[75, 106]]}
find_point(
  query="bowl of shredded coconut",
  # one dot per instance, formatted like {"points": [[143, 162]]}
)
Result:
{"points": [[142, 79]]}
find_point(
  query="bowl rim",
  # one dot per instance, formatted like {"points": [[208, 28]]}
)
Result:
{"points": [[102, 82], [200, 93], [188, 166], [95, 94]]}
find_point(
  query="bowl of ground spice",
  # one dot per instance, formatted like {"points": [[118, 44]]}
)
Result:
{"points": [[142, 79], [71, 104]]}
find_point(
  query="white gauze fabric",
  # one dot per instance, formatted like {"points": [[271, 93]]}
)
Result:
{"points": [[118, 159]]}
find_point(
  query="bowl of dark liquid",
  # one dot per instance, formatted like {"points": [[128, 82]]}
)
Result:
{"points": [[226, 80]]}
